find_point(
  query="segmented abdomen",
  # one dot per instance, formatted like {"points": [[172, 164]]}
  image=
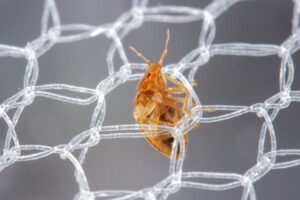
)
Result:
{"points": [[166, 113]]}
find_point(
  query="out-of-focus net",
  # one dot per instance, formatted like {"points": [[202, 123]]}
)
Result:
{"points": [[140, 13]]}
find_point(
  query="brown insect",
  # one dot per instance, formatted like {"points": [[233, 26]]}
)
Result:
{"points": [[156, 103]]}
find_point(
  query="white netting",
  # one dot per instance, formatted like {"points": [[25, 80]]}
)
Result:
{"points": [[139, 13]]}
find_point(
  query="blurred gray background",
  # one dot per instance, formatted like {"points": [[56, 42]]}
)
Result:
{"points": [[132, 164]]}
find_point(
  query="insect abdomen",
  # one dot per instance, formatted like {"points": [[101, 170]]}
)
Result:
{"points": [[165, 113]]}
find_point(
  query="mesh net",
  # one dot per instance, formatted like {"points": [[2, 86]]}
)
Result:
{"points": [[139, 13]]}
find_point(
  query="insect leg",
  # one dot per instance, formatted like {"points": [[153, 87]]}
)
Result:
{"points": [[177, 90], [174, 81], [141, 112], [148, 109], [180, 89]]}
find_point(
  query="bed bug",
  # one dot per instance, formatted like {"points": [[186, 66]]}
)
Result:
{"points": [[157, 103]]}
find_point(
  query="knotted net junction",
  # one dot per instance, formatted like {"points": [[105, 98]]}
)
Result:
{"points": [[140, 13]]}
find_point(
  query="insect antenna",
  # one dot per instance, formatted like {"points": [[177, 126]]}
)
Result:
{"points": [[139, 54], [165, 52]]}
